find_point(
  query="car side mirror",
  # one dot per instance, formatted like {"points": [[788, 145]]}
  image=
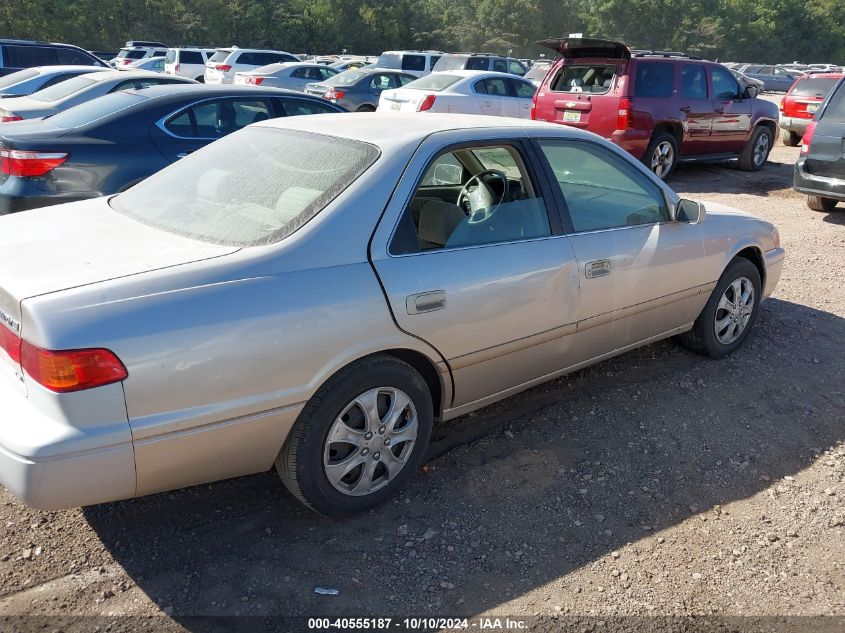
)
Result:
{"points": [[750, 92], [689, 211], [445, 174]]}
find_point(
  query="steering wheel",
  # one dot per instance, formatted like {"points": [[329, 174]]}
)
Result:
{"points": [[481, 197]]}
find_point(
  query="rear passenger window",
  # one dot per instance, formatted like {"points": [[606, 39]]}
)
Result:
{"points": [[500, 66], [601, 190], [191, 57], [380, 82], [73, 57], [478, 63], [523, 89], [497, 87], [654, 79], [215, 119], [413, 62], [298, 107], [29, 56], [693, 81], [181, 125]]}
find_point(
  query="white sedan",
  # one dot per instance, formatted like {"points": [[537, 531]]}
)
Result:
{"points": [[463, 91], [290, 75]]}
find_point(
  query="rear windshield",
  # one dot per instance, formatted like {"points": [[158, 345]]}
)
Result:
{"points": [[836, 109], [450, 62], [538, 71], [63, 89], [96, 109], [220, 56], [389, 60], [21, 75], [434, 83], [251, 188], [345, 78], [131, 54], [818, 87], [593, 78], [170, 56]]}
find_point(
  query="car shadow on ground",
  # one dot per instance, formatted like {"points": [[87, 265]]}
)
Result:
{"points": [[837, 216], [727, 178], [515, 497]]}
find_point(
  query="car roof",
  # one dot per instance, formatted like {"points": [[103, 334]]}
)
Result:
{"points": [[823, 76], [210, 90], [388, 129], [123, 74], [476, 73], [69, 67], [36, 43]]}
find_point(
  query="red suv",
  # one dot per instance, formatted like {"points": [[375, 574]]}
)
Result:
{"points": [[662, 107], [801, 102]]}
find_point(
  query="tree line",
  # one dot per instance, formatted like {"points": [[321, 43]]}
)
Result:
{"points": [[767, 31]]}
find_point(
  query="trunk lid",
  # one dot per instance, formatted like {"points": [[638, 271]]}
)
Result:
{"points": [[403, 100], [70, 245]]}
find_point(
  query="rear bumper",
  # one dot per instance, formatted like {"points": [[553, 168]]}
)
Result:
{"points": [[813, 185], [773, 260], [793, 124], [22, 194], [50, 464]]}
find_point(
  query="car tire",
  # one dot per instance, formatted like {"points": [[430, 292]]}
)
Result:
{"points": [[311, 465], [366, 108], [661, 156], [756, 151], [722, 327], [790, 139], [817, 203]]}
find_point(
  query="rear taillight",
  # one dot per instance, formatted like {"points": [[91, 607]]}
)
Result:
{"points": [[126, 61], [25, 164], [223, 67], [177, 68], [625, 115], [10, 343], [534, 109], [71, 370], [331, 93], [6, 118], [808, 137], [427, 103], [782, 104], [255, 81]]}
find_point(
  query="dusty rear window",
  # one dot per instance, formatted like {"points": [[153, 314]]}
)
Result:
{"points": [[593, 78], [250, 188], [814, 87]]}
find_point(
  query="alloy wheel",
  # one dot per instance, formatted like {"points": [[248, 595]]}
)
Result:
{"points": [[370, 442], [761, 149], [734, 311], [662, 159]]}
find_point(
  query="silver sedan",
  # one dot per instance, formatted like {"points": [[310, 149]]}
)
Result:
{"points": [[314, 294]]}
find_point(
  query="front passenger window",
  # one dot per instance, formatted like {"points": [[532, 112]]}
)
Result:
{"points": [[725, 87], [601, 190]]}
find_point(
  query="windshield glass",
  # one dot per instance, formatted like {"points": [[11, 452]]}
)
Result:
{"points": [[170, 56], [21, 75], [63, 89], [818, 87], [434, 82], [251, 188], [538, 71], [345, 79], [96, 109]]}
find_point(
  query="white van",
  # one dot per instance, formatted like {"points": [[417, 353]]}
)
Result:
{"points": [[417, 63], [226, 62], [188, 61]]}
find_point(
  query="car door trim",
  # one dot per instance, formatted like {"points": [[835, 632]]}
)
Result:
{"points": [[489, 353]]}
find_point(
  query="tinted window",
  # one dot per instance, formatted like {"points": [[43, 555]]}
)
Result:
{"points": [[601, 190], [191, 57], [432, 223], [96, 109], [132, 54], [725, 86], [28, 56], [835, 110], [138, 84], [14, 78], [654, 79], [516, 68], [297, 107], [62, 90], [817, 87], [478, 63], [74, 57], [381, 82], [215, 119], [181, 125], [580, 78], [500, 65], [433, 60], [523, 89], [693, 81], [413, 62], [497, 87], [242, 191]]}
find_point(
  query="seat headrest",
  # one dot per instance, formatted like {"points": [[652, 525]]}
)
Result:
{"points": [[438, 220]]}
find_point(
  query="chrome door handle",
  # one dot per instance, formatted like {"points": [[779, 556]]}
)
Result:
{"points": [[426, 302], [599, 268]]}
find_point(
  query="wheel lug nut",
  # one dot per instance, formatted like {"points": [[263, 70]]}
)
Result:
{"points": [[381, 430], [376, 455], [387, 441], [365, 451], [368, 436]]}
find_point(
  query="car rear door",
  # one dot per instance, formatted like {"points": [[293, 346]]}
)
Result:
{"points": [[496, 300], [696, 109], [523, 92], [827, 149], [491, 95], [731, 113]]}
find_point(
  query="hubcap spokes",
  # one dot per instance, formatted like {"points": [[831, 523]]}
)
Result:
{"points": [[662, 159], [761, 149], [734, 311], [370, 442]]}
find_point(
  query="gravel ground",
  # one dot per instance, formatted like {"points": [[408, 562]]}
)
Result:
{"points": [[655, 484]]}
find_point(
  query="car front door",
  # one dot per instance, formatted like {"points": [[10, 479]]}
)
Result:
{"points": [[641, 275], [731, 113], [491, 95], [494, 290], [523, 97]]}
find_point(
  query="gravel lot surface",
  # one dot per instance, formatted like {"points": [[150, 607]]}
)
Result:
{"points": [[658, 483]]}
